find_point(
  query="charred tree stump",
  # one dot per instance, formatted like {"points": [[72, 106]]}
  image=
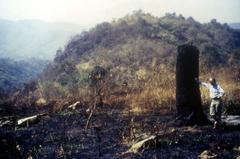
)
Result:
{"points": [[188, 99]]}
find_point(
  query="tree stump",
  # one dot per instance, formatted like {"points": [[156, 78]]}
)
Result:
{"points": [[188, 99]]}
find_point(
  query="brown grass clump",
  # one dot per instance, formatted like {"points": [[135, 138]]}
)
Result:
{"points": [[156, 92]]}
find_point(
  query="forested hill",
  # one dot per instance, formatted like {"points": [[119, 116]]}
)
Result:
{"points": [[216, 41], [13, 74], [135, 46]]}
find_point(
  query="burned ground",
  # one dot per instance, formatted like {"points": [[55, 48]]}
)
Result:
{"points": [[111, 133]]}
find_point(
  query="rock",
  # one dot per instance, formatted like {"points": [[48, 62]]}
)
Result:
{"points": [[206, 154]]}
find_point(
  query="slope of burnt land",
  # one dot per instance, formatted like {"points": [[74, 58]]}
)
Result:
{"points": [[111, 133]]}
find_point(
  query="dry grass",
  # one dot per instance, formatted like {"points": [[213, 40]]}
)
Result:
{"points": [[155, 90], [228, 78], [158, 91]]}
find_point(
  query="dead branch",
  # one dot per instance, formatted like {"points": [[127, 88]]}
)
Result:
{"points": [[29, 119], [73, 106]]}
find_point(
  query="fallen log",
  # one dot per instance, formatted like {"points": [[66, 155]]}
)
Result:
{"points": [[145, 141], [150, 141], [73, 106], [30, 119], [231, 120], [5, 123]]}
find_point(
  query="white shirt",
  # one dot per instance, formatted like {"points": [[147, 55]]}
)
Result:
{"points": [[215, 91]]}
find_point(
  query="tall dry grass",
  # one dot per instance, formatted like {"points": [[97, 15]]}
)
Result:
{"points": [[157, 92]]}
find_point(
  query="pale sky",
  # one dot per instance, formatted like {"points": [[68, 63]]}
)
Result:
{"points": [[90, 12]]}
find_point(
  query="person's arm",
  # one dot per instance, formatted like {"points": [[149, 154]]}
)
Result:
{"points": [[221, 92], [203, 84]]}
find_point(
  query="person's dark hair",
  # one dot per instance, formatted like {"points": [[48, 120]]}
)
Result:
{"points": [[212, 80]]}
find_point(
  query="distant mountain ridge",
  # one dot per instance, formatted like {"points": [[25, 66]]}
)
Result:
{"points": [[34, 38], [234, 25]]}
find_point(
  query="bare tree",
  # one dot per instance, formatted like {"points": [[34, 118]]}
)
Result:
{"points": [[96, 77]]}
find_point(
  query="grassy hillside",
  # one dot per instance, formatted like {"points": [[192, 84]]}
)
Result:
{"points": [[139, 54]]}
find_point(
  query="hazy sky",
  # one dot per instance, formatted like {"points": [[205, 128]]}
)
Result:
{"points": [[89, 12]]}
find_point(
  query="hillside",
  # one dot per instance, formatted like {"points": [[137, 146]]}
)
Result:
{"points": [[139, 48], [34, 38], [113, 87], [13, 74]]}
